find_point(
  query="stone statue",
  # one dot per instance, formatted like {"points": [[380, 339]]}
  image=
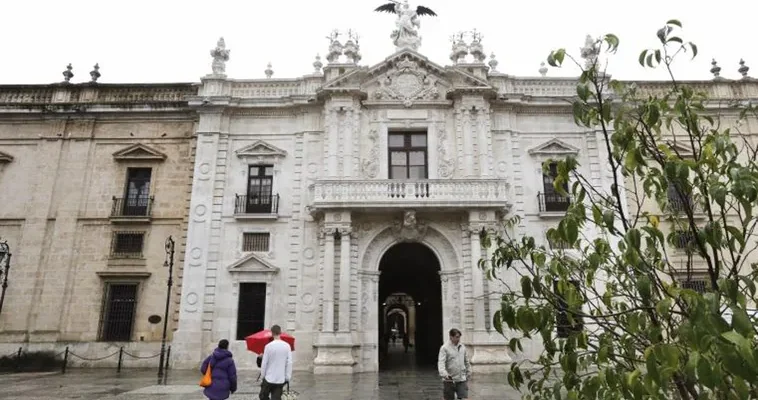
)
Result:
{"points": [[409, 229], [220, 56], [406, 35]]}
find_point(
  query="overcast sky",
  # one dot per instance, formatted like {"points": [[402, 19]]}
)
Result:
{"points": [[169, 40]]}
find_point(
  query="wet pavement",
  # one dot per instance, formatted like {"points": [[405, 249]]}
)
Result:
{"points": [[401, 380]]}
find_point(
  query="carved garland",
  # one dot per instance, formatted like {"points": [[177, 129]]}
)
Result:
{"points": [[370, 164], [446, 165]]}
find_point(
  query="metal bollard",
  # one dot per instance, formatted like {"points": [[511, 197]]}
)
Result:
{"points": [[65, 360], [120, 358]]}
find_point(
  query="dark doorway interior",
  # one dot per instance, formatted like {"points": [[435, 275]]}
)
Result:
{"points": [[413, 270]]}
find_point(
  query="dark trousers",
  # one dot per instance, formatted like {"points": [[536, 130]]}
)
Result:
{"points": [[271, 391]]}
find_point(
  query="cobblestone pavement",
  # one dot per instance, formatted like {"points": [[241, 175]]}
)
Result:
{"points": [[408, 383]]}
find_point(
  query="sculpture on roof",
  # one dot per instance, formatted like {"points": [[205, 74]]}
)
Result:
{"points": [[407, 23]]}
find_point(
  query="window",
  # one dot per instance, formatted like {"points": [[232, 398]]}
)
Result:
{"points": [[699, 285], [684, 239], [408, 155], [127, 244], [562, 323], [550, 200], [678, 202], [255, 241], [117, 316], [260, 181], [251, 310], [137, 196]]}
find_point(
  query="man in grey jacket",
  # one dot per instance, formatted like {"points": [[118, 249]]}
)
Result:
{"points": [[454, 367]]}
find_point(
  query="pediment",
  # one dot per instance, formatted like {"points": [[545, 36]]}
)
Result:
{"points": [[139, 152], [260, 149], [554, 147], [253, 263], [678, 148], [406, 76], [5, 158]]}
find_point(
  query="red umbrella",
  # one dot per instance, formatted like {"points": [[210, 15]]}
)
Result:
{"points": [[257, 341]]}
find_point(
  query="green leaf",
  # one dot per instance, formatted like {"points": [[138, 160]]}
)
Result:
{"points": [[674, 22], [741, 322], [691, 367], [526, 287], [693, 46], [706, 375], [572, 231], [497, 321], [641, 60]]}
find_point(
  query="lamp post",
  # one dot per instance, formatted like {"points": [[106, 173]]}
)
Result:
{"points": [[5, 266], [169, 262]]}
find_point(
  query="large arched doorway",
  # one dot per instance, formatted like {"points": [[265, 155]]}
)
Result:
{"points": [[410, 307]]}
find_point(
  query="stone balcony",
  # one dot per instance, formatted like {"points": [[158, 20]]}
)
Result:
{"points": [[389, 194]]}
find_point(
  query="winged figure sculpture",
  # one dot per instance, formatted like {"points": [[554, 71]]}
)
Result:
{"points": [[407, 23]]}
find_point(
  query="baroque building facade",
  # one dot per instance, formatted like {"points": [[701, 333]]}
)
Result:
{"points": [[330, 203], [93, 179]]}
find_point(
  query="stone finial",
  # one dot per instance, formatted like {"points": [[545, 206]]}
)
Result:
{"points": [[335, 47], [743, 69], [220, 56], [352, 49], [269, 72], [543, 69], [67, 74], [715, 69], [317, 65], [590, 51], [460, 49], [493, 63], [95, 73], [475, 48]]}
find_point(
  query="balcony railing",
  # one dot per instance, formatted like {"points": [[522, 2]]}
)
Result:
{"points": [[677, 205], [553, 202], [132, 207], [464, 193], [256, 204]]}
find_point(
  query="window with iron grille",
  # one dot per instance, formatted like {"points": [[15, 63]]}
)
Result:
{"points": [[684, 239], [550, 200], [137, 196], [563, 325], [699, 285], [127, 244], [255, 241], [251, 310], [407, 155], [678, 202], [117, 315]]}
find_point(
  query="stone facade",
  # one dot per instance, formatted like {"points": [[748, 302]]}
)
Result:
{"points": [[67, 152], [325, 138]]}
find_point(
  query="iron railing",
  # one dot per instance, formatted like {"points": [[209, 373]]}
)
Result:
{"points": [[553, 202], [131, 207], [678, 205], [256, 204]]}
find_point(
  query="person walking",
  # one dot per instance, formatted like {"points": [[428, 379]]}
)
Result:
{"points": [[276, 368], [223, 372], [454, 367]]}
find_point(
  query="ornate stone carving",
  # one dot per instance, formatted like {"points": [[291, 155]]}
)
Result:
{"points": [[410, 229], [408, 82], [220, 56], [445, 166], [407, 24], [370, 164]]}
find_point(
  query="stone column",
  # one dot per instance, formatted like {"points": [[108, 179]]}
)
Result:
{"points": [[477, 279], [493, 286], [327, 318], [345, 281]]}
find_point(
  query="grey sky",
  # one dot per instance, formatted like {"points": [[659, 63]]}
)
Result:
{"points": [[170, 40]]}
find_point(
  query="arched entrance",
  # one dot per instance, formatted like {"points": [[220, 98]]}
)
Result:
{"points": [[410, 307]]}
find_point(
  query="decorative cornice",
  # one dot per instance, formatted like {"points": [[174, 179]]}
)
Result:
{"points": [[139, 152], [260, 148], [554, 146], [253, 263]]}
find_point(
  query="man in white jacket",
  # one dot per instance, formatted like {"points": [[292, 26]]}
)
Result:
{"points": [[454, 367], [276, 368]]}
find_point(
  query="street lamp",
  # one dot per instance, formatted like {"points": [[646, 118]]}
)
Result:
{"points": [[5, 266], [169, 262]]}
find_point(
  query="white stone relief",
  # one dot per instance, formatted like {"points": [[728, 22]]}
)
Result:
{"points": [[370, 164], [195, 255], [204, 170], [410, 229], [446, 166], [407, 82], [308, 305], [200, 211], [190, 303]]}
